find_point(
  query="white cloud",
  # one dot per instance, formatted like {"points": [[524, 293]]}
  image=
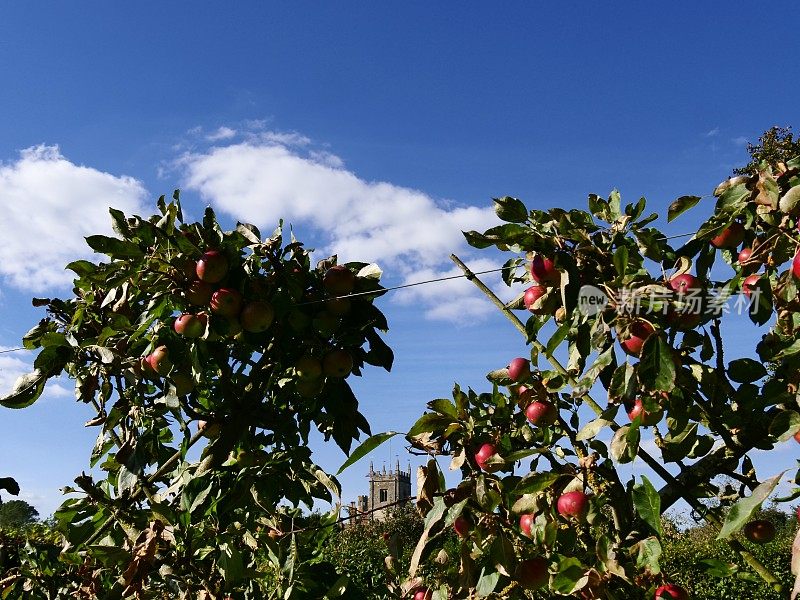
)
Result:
{"points": [[49, 205], [272, 176], [740, 141], [713, 132], [223, 133]]}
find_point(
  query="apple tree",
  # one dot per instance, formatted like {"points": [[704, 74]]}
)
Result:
{"points": [[206, 357], [622, 343]]}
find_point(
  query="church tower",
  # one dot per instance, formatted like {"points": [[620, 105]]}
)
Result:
{"points": [[387, 489]]}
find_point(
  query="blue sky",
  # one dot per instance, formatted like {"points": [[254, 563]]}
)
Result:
{"points": [[380, 131]]}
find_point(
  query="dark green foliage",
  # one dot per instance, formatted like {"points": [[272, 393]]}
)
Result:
{"points": [[685, 551], [776, 144], [16, 513]]}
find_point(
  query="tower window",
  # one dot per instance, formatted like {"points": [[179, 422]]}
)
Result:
{"points": [[384, 496]]}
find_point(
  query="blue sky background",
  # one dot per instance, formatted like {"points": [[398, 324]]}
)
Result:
{"points": [[341, 115]]}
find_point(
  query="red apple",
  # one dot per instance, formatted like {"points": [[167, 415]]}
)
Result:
{"points": [[796, 264], [199, 292], [759, 531], [533, 573], [483, 454], [462, 526], [730, 237], [573, 504], [797, 439], [684, 284], [226, 302], [339, 280], [532, 294], [647, 419], [524, 394], [525, 522], [338, 363], [797, 512], [423, 593], [638, 332], [212, 267], [670, 591], [519, 369], [257, 316], [159, 361], [744, 255], [190, 326], [543, 271], [750, 282], [541, 412]]}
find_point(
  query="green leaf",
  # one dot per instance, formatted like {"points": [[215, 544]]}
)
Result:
{"points": [[649, 551], [717, 568], [26, 390], [648, 504], [741, 512], [429, 422], [625, 444], [114, 247], [621, 260], [535, 482], [746, 370], [785, 424], [486, 583], [591, 429], [230, 563], [368, 446], [510, 210], [680, 206], [656, 368], [571, 576]]}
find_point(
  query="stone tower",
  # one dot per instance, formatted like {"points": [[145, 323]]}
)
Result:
{"points": [[386, 489]]}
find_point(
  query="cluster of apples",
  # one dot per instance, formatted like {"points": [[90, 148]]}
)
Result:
{"points": [[205, 290], [545, 275]]}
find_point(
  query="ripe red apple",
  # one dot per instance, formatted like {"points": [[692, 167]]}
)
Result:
{"points": [[797, 512], [462, 526], [797, 439], [257, 316], [730, 237], [525, 522], [159, 361], [226, 302], [638, 332], [532, 294], [796, 263], [338, 363], [483, 454], [212, 267], [524, 394], [308, 367], [532, 573], [647, 419], [573, 504], [541, 412], [759, 531], [750, 282], [684, 283], [423, 593], [190, 326], [744, 255], [339, 280], [543, 271], [199, 292], [519, 369], [671, 591]]}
